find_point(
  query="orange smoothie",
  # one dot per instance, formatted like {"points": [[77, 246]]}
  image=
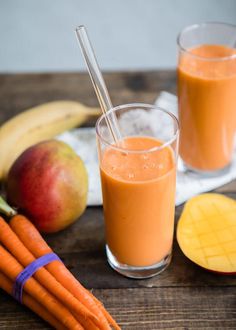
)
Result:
{"points": [[138, 201], [207, 106]]}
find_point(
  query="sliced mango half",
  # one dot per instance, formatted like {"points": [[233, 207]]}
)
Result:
{"points": [[206, 232]]}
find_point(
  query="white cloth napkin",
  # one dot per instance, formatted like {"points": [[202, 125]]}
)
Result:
{"points": [[83, 141]]}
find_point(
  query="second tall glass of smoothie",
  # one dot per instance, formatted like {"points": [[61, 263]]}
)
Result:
{"points": [[207, 96], [138, 175]]}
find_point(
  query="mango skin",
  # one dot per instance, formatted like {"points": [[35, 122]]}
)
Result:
{"points": [[48, 183]]}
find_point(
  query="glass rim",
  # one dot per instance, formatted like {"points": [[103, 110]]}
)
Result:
{"points": [[194, 26], [138, 105]]}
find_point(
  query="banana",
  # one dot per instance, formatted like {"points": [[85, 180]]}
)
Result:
{"points": [[37, 124]]}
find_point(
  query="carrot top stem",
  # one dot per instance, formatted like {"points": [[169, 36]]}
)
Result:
{"points": [[6, 208]]}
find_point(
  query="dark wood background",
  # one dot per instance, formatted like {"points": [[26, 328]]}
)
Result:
{"points": [[184, 296]]}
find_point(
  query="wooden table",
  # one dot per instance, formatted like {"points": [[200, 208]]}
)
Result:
{"points": [[184, 296]]}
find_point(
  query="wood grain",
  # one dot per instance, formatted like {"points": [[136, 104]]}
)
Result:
{"points": [[184, 296], [21, 91], [149, 308]]}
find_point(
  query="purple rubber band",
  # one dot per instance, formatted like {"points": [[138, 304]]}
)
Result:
{"points": [[29, 271]]}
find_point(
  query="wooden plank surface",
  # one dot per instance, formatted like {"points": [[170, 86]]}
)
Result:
{"points": [[184, 296], [147, 309]]}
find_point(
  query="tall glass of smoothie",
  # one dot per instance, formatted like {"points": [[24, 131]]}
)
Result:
{"points": [[207, 96], [138, 177]]}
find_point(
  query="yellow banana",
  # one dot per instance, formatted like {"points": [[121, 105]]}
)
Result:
{"points": [[37, 124]]}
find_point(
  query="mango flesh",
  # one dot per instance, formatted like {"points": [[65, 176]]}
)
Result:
{"points": [[206, 232], [48, 182]]}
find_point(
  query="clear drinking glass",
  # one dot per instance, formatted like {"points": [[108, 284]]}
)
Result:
{"points": [[138, 177], [206, 94]]}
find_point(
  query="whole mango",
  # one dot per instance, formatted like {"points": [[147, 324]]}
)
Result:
{"points": [[48, 182]]}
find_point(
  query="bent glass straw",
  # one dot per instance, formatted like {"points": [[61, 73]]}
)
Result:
{"points": [[97, 81]]}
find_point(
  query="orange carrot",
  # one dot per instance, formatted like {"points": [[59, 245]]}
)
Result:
{"points": [[10, 240], [32, 239], [108, 316], [10, 267], [7, 286], [87, 324]]}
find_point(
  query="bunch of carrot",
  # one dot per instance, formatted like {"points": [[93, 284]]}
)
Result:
{"points": [[53, 292]]}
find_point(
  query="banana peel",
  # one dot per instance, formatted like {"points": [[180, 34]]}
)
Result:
{"points": [[38, 124]]}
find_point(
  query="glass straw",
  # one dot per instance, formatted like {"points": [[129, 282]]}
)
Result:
{"points": [[98, 81]]}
